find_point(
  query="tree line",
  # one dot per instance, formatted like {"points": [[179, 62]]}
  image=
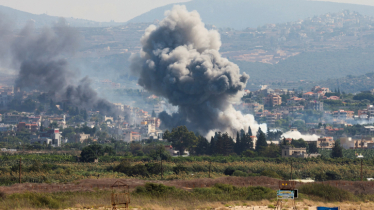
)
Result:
{"points": [[223, 144]]}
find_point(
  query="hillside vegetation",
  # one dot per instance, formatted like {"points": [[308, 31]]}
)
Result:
{"points": [[313, 66]]}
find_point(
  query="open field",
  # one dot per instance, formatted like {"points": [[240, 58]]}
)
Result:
{"points": [[187, 194], [57, 169], [59, 182], [355, 187]]}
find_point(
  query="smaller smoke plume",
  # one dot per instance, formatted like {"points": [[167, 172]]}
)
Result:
{"points": [[40, 57], [297, 135]]}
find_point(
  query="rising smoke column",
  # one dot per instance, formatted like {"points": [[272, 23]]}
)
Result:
{"points": [[40, 58], [180, 61]]}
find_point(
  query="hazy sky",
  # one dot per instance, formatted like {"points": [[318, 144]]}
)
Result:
{"points": [[97, 10], [103, 10]]}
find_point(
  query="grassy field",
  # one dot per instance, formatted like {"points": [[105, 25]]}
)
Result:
{"points": [[53, 169], [158, 196], [43, 172]]}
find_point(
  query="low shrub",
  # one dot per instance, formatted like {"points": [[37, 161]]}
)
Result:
{"points": [[327, 192], [179, 168], [239, 173], [2, 195], [153, 189], [270, 173], [229, 171], [37, 200], [219, 192]]}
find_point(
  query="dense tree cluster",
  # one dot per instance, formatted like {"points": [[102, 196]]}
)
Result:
{"points": [[223, 144]]}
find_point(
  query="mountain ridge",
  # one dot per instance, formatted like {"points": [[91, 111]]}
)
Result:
{"points": [[20, 18], [224, 13]]}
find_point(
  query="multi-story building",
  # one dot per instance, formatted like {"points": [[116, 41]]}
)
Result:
{"points": [[5, 127], [324, 90], [325, 143], [289, 151], [81, 137], [52, 137], [5, 98], [341, 114], [10, 118], [295, 108], [132, 136], [27, 126], [315, 105], [311, 96], [253, 107], [119, 107], [294, 100], [272, 100]]}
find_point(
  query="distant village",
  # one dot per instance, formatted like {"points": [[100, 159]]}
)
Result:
{"points": [[304, 112], [281, 109]]}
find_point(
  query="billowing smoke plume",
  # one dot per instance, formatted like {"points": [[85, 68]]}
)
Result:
{"points": [[180, 61], [40, 58]]}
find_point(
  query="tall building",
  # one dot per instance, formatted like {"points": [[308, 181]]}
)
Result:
{"points": [[272, 100], [316, 105]]}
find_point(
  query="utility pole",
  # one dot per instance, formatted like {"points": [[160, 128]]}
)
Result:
{"points": [[210, 166], [361, 169], [361, 157], [291, 169], [161, 161], [20, 167]]}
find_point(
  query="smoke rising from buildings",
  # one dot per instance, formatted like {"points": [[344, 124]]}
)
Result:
{"points": [[40, 58], [297, 135], [180, 61]]}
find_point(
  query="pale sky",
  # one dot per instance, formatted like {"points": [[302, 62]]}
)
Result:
{"points": [[104, 10], [97, 10]]}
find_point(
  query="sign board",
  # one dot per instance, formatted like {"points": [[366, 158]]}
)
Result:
{"points": [[327, 208], [285, 194]]}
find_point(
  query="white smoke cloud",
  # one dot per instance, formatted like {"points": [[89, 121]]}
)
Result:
{"points": [[180, 61], [297, 135]]}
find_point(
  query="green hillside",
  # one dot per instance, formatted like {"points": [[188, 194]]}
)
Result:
{"points": [[313, 66]]}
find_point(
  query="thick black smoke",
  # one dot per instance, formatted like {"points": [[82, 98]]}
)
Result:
{"points": [[180, 61], [40, 58]]}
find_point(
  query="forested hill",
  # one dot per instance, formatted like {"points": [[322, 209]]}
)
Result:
{"points": [[312, 66], [240, 14]]}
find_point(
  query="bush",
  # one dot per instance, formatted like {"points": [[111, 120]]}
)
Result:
{"points": [[270, 173], [123, 167], [155, 189], [139, 170], [332, 175], [239, 173], [153, 168], [328, 175], [2, 195], [329, 193], [179, 168], [249, 153], [37, 200], [229, 171]]}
